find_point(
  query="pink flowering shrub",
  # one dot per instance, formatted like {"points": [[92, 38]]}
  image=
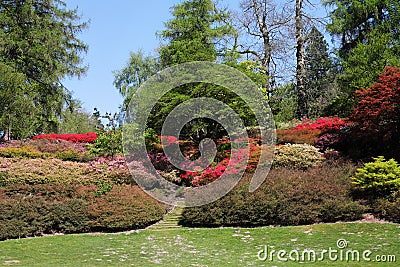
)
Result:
{"points": [[75, 138]]}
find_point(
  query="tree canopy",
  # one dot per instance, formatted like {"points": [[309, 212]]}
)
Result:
{"points": [[195, 33], [369, 37], [39, 43]]}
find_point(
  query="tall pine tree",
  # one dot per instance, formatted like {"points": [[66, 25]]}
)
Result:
{"points": [[320, 87], [38, 39], [194, 33]]}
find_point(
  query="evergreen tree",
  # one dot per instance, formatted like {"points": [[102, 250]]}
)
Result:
{"points": [[195, 32], [75, 119], [38, 39], [320, 86]]}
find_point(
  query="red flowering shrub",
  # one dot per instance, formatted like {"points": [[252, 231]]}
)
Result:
{"points": [[309, 130], [323, 124], [75, 138]]}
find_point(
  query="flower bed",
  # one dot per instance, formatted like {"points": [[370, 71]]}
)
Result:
{"points": [[75, 138]]}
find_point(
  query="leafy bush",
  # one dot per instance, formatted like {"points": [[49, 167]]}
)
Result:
{"points": [[323, 124], [297, 156], [22, 152], [287, 197], [108, 143], [331, 140], [34, 210], [31, 212], [388, 209], [378, 178], [124, 207], [151, 139], [308, 131], [76, 138], [54, 146], [216, 169]]}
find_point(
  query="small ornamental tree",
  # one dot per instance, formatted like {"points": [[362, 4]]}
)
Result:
{"points": [[377, 114]]}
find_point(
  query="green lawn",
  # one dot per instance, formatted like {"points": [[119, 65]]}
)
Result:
{"points": [[203, 247]]}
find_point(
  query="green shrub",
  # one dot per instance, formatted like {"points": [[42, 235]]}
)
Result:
{"points": [[32, 152], [298, 156], [71, 155], [124, 207], [34, 210], [108, 143], [287, 197], [22, 152], [151, 139], [378, 178], [23, 214], [388, 209]]}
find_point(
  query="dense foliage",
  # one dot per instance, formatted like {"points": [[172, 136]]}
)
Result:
{"points": [[369, 41], [34, 210], [377, 116], [297, 156], [287, 197], [38, 48]]}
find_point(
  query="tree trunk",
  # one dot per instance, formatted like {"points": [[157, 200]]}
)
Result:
{"points": [[302, 110]]}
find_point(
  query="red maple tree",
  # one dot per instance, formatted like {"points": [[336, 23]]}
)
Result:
{"points": [[377, 114]]}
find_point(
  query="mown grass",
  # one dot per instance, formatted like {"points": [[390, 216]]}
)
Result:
{"points": [[202, 247]]}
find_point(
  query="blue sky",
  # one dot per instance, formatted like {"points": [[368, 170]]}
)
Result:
{"points": [[116, 29]]}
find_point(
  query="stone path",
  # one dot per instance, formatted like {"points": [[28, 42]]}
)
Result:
{"points": [[170, 220]]}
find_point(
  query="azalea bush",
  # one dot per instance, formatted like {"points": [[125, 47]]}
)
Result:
{"points": [[216, 169], [323, 124], [76, 138], [308, 131]]}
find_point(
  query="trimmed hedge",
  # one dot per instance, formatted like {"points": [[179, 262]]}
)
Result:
{"points": [[34, 210], [287, 197]]}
